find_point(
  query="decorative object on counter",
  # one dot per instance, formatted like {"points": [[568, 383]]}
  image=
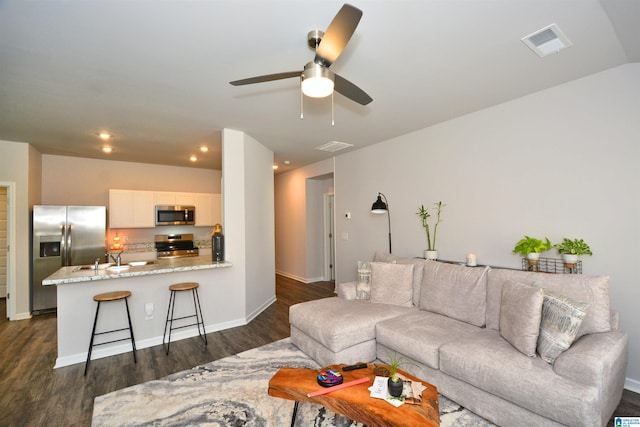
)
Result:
{"points": [[107, 297], [431, 252], [379, 207], [471, 260], [116, 243], [570, 250], [530, 248], [180, 287], [217, 244]]}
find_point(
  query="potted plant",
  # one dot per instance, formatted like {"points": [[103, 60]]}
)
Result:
{"points": [[423, 213], [570, 250], [394, 383], [530, 248]]}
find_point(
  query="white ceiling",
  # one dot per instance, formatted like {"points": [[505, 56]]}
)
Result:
{"points": [[156, 73]]}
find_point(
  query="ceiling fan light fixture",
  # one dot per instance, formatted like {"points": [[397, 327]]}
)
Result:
{"points": [[317, 81]]}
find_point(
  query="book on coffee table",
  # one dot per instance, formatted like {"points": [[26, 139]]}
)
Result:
{"points": [[411, 391]]}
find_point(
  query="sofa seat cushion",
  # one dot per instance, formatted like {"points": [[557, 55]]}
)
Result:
{"points": [[339, 324], [489, 362], [593, 290], [419, 335]]}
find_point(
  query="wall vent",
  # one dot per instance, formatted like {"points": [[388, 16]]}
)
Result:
{"points": [[546, 41], [334, 146]]}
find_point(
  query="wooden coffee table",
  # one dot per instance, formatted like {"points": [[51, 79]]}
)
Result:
{"points": [[355, 402]]}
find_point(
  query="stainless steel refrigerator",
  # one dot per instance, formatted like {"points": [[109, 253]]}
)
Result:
{"points": [[63, 236]]}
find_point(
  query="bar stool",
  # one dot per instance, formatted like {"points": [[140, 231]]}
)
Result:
{"points": [[180, 287], [106, 297]]}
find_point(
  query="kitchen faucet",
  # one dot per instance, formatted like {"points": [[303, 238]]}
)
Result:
{"points": [[117, 258]]}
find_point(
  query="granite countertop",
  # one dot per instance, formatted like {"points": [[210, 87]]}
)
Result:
{"points": [[79, 274]]}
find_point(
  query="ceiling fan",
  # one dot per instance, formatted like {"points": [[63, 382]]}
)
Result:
{"points": [[316, 79]]}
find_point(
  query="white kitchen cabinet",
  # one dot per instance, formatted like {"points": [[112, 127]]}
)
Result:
{"points": [[165, 198], [131, 209], [174, 199], [185, 199], [205, 209]]}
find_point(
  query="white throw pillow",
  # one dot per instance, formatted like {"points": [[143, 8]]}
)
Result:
{"points": [[392, 284], [520, 313]]}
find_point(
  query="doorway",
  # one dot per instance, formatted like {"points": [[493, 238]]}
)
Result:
{"points": [[329, 244], [7, 241]]}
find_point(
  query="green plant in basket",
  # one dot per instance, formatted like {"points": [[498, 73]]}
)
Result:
{"points": [[528, 245], [573, 247]]}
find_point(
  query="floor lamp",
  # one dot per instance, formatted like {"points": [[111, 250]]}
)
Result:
{"points": [[380, 207]]}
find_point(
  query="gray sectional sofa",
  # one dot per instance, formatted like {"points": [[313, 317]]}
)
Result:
{"points": [[515, 347]]}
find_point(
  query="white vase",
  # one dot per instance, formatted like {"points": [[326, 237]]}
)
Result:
{"points": [[569, 258], [431, 255], [533, 256]]}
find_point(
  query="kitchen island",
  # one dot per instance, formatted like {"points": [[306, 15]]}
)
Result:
{"points": [[222, 303]]}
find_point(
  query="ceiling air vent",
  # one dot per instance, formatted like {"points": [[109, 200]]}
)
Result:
{"points": [[334, 146], [547, 41]]}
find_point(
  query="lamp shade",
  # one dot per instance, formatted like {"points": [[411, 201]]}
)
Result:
{"points": [[379, 207]]}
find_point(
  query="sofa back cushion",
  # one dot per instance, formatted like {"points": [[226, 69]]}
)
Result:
{"points": [[520, 315], [454, 290], [418, 266], [593, 290], [392, 283]]}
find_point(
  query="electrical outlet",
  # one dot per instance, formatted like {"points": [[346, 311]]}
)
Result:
{"points": [[148, 311]]}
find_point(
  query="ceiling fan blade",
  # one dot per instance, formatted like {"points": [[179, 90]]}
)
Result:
{"points": [[266, 78], [351, 91], [337, 35]]}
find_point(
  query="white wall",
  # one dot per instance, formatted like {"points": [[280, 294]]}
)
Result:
{"points": [[559, 163], [20, 163], [79, 181], [299, 216], [248, 212]]}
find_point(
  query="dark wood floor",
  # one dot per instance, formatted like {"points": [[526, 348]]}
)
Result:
{"points": [[34, 394]]}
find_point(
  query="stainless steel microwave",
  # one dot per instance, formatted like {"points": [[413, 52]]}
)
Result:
{"points": [[175, 215]]}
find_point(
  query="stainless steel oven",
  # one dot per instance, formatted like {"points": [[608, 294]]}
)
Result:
{"points": [[175, 246], [175, 215]]}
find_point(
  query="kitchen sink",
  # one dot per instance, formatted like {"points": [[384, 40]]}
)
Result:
{"points": [[118, 268], [92, 267]]}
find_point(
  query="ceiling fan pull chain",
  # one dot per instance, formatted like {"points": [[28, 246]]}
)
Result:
{"points": [[333, 123], [301, 102]]}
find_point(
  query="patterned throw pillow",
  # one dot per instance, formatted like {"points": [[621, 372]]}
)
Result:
{"points": [[363, 288], [561, 319], [520, 314]]}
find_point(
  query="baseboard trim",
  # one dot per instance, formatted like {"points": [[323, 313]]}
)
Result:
{"points": [[260, 309], [23, 316], [632, 385], [149, 342], [291, 276], [304, 280]]}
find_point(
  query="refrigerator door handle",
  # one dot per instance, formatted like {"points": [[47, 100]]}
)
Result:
{"points": [[68, 260], [63, 246]]}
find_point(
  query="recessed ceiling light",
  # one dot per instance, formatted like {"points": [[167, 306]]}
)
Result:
{"points": [[275, 167], [107, 149], [105, 135], [204, 148], [193, 158], [287, 162]]}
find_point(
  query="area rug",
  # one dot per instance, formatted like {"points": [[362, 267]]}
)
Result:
{"points": [[233, 392]]}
